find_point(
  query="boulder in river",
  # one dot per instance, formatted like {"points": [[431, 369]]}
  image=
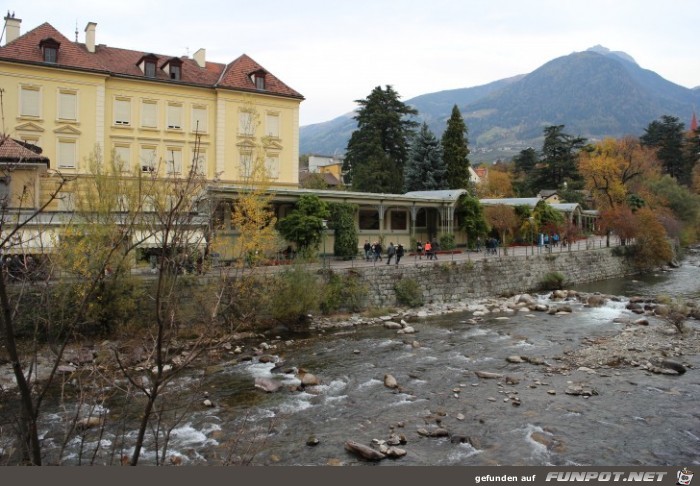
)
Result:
{"points": [[488, 375], [266, 384], [308, 379], [363, 451], [390, 381]]}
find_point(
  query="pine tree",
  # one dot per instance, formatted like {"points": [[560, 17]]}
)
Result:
{"points": [[455, 151], [378, 150], [667, 137], [425, 170], [559, 157]]}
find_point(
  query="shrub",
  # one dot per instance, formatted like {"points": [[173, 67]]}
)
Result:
{"points": [[409, 292], [552, 281], [343, 292], [447, 241], [296, 293]]}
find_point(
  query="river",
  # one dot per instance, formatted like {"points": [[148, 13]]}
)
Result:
{"points": [[526, 417]]}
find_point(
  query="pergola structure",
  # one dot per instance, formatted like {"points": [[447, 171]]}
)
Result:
{"points": [[420, 215]]}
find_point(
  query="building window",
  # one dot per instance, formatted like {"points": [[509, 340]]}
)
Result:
{"points": [[272, 166], [149, 69], [369, 219], [246, 168], [122, 111], [49, 50], [200, 163], [148, 159], [399, 220], [50, 54], [67, 151], [149, 114], [5, 190], [199, 119], [30, 101], [67, 105], [122, 158], [66, 201], [31, 140], [174, 160], [258, 77], [122, 203], [175, 72], [246, 123], [272, 125], [174, 117]]}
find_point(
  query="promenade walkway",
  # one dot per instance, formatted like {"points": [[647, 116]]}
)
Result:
{"points": [[410, 258]]}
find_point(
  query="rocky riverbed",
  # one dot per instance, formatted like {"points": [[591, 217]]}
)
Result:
{"points": [[526, 379]]}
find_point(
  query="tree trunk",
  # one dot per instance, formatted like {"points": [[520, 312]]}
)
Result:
{"points": [[29, 436]]}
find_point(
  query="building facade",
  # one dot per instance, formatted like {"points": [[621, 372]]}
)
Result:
{"points": [[149, 112]]}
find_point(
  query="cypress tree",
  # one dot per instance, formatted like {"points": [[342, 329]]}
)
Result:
{"points": [[455, 151]]}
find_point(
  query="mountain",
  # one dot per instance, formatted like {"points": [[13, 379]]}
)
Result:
{"points": [[594, 93]]}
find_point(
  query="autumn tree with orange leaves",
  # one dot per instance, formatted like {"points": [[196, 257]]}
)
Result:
{"points": [[614, 169]]}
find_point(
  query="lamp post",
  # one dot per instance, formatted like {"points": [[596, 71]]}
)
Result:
{"points": [[532, 235], [324, 224]]}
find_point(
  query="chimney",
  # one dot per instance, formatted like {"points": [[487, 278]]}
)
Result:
{"points": [[90, 36], [200, 57], [11, 27]]}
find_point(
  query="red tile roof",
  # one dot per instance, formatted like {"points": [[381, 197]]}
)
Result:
{"points": [[123, 62], [13, 151]]}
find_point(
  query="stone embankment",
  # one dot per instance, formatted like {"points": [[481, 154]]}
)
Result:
{"points": [[453, 281]]}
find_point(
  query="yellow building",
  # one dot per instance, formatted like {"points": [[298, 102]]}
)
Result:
{"points": [[152, 111]]}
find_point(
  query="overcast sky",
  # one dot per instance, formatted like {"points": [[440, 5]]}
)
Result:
{"points": [[336, 52]]}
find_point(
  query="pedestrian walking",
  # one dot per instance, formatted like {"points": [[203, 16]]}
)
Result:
{"points": [[428, 248], [377, 251], [419, 249], [368, 250], [390, 252], [435, 249], [399, 253]]}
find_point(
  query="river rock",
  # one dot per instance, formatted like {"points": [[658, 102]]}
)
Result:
{"points": [[308, 379], [581, 390], [433, 432], [208, 403], [392, 325], [88, 422], [390, 381], [365, 452], [266, 384], [406, 330], [674, 365], [560, 294], [488, 375], [395, 452], [267, 358], [312, 441], [596, 300], [534, 360], [515, 359]]}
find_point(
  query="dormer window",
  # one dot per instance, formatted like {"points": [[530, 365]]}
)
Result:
{"points": [[258, 78], [49, 50], [173, 68], [148, 65], [150, 69]]}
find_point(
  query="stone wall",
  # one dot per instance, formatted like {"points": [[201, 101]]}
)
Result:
{"points": [[448, 281]]}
